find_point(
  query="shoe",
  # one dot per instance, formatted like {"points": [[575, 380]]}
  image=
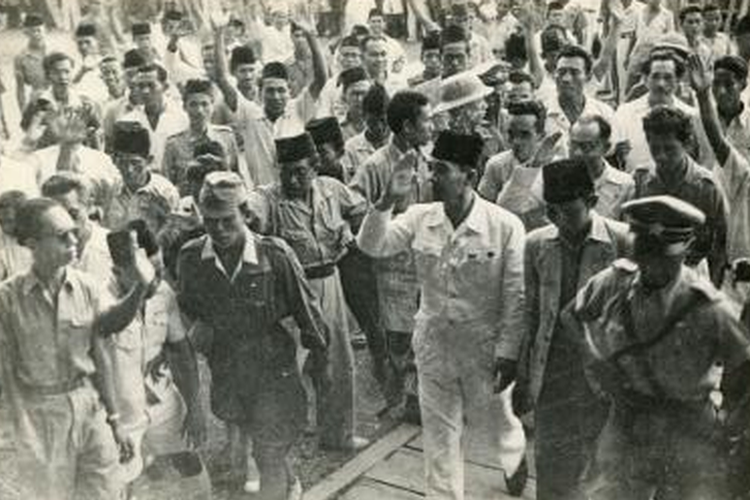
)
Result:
{"points": [[517, 482], [295, 490], [251, 486]]}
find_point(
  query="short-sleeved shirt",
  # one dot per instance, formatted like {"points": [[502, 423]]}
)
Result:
{"points": [[178, 153], [259, 133], [684, 364], [318, 232], [48, 340], [557, 120], [125, 206], [734, 180]]}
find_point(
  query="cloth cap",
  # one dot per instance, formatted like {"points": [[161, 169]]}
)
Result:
{"points": [[734, 64], [32, 21], [461, 89], [674, 41], [242, 55], [566, 180], [86, 29], [666, 218], [131, 138], [431, 41], [295, 148], [326, 131], [140, 29], [352, 75], [275, 70], [461, 149], [173, 15], [221, 194]]}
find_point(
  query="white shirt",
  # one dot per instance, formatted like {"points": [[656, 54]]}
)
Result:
{"points": [[173, 120], [613, 188], [557, 120], [259, 133], [17, 176], [734, 180]]}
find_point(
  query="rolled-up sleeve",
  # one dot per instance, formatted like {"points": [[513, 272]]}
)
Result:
{"points": [[382, 235], [512, 326]]}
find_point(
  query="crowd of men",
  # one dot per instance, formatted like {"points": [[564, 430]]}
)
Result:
{"points": [[540, 225]]}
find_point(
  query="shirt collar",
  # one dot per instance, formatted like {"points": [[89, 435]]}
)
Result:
{"points": [[476, 221], [32, 281], [249, 252]]}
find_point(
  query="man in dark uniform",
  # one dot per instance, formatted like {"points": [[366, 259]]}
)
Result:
{"points": [[243, 286], [667, 349]]}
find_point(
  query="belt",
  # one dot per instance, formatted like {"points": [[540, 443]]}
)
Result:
{"points": [[319, 272], [55, 389]]}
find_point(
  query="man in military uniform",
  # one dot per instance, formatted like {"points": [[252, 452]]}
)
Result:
{"points": [[198, 101], [313, 215], [664, 345], [243, 286]]}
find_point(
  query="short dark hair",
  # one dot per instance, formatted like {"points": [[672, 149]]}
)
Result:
{"points": [[376, 101], [532, 107], [690, 9], [29, 218], [375, 13], [605, 128], [576, 51], [454, 34], [63, 183], [517, 77], [369, 38], [52, 59], [553, 39], [710, 7], [666, 120], [161, 73], [665, 55], [554, 6], [197, 86], [405, 106]]}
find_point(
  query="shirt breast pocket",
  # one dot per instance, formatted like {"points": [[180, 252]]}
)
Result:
{"points": [[427, 257], [80, 334]]}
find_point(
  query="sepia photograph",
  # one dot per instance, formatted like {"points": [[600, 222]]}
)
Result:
{"points": [[374, 249]]}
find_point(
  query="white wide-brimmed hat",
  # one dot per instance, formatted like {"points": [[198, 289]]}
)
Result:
{"points": [[460, 89]]}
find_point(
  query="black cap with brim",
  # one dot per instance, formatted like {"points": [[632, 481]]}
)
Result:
{"points": [[664, 218]]}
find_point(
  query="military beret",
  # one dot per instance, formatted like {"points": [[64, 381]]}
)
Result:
{"points": [[32, 21], [351, 76], [566, 180], [462, 149], [733, 64], [326, 131], [140, 29], [666, 218], [133, 59], [242, 55], [221, 194], [295, 148], [275, 70], [131, 138], [85, 29]]}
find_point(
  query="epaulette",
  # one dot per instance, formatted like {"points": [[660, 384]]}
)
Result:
{"points": [[195, 243], [625, 265]]}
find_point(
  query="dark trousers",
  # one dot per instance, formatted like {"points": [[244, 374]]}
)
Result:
{"points": [[361, 294]]}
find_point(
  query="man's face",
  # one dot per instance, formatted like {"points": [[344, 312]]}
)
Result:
{"points": [[556, 18], [422, 127], [464, 21], [350, 57], [523, 136], [60, 73], [35, 34], [662, 80], [150, 89], [586, 142], [711, 22], [667, 151], [275, 96], [727, 90], [110, 74], [355, 94], [301, 47], [570, 76], [143, 42], [502, 7], [376, 57], [377, 25], [571, 217], [226, 230], [520, 92], [449, 181], [433, 64], [56, 245], [134, 170], [246, 76], [8, 219], [77, 209], [657, 269], [330, 158], [280, 19], [377, 125], [455, 58], [692, 26], [199, 108], [296, 177], [131, 80], [87, 45]]}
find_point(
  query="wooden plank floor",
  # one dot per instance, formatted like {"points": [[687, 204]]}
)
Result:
{"points": [[393, 468]]}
